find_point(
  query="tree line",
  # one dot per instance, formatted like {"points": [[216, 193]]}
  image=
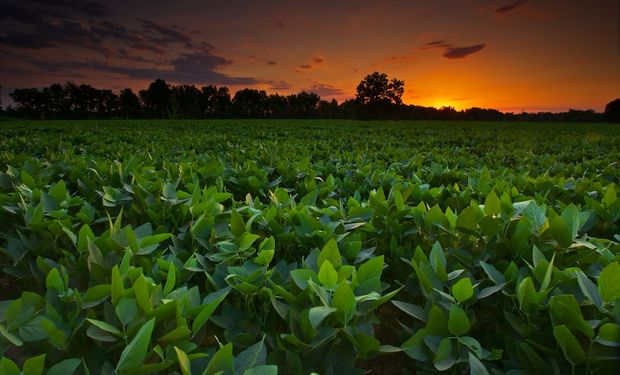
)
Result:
{"points": [[377, 97]]}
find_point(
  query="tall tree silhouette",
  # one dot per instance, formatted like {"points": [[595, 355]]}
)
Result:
{"points": [[156, 99], [379, 97], [612, 111]]}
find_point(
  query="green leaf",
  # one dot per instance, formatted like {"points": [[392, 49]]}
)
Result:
{"points": [[8, 367], [493, 273], [262, 370], [318, 313], [330, 252], [222, 361], [184, 363], [105, 326], [142, 294], [344, 301], [368, 276], [438, 261], [246, 240], [135, 352], [54, 281], [58, 191], [570, 214], [237, 226], [475, 366], [255, 355], [492, 205], [413, 310], [565, 310], [567, 341], [328, 275], [609, 335], [458, 322], [171, 278], [13, 339], [462, 290], [527, 296], [589, 289], [35, 365], [66, 367], [561, 232], [609, 282], [118, 288], [467, 220], [207, 311], [126, 310]]}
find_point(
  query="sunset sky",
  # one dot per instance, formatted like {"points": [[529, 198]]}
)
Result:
{"points": [[546, 55]]}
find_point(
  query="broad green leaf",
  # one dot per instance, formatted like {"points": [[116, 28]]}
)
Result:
{"points": [[222, 361], [65, 367], [475, 366], [246, 240], [237, 226], [253, 356], [462, 290], [565, 310], [569, 344], [318, 313], [135, 352], [467, 220], [609, 335], [344, 301], [142, 294], [368, 275], [330, 252], [34, 365], [8, 367], [492, 205], [54, 281], [609, 282], [458, 322], [207, 311], [328, 275], [262, 370], [127, 310]]}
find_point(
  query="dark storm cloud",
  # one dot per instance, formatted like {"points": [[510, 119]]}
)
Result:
{"points": [[88, 8], [277, 85], [304, 66], [166, 34], [60, 33], [461, 52], [510, 7], [191, 68], [325, 90], [281, 24]]}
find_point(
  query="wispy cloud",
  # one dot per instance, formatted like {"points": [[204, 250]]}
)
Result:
{"points": [[510, 7]]}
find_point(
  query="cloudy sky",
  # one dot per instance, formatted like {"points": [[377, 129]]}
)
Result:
{"points": [[511, 55]]}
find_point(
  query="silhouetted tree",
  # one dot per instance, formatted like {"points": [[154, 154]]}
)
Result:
{"points": [[379, 97], [250, 103], [129, 104], [215, 102], [612, 111], [327, 109], [278, 106], [156, 99], [303, 104]]}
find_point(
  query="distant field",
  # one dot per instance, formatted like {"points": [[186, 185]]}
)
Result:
{"points": [[310, 245]]}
